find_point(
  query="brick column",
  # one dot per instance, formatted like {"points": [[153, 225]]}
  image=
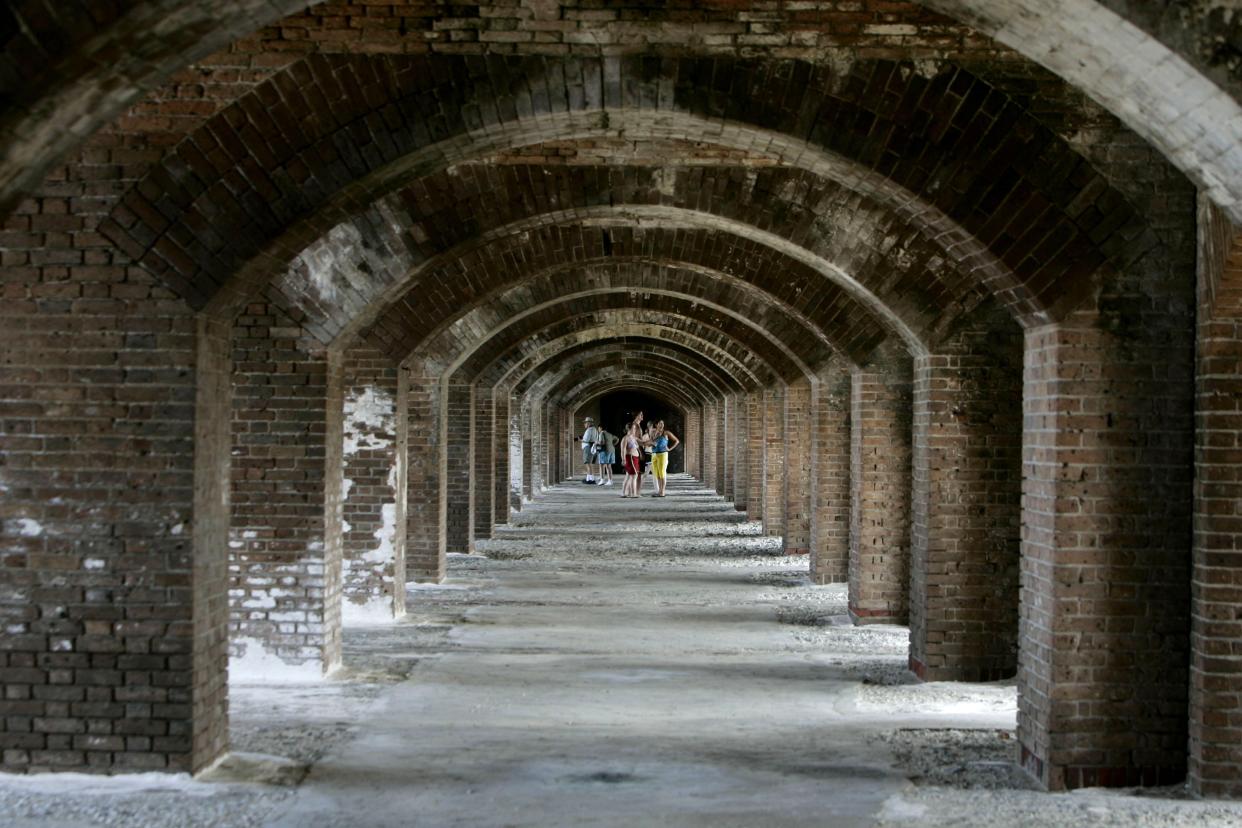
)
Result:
{"points": [[500, 457], [538, 447], [796, 448], [517, 455], [737, 445], [484, 481], [772, 435], [710, 417], [1216, 589], [755, 442], [722, 459], [880, 434], [528, 452], [1105, 551], [459, 522], [726, 433], [373, 548], [693, 436], [830, 475], [285, 537], [427, 467], [967, 470]]}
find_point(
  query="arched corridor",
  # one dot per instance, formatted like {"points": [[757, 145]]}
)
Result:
{"points": [[302, 302]]}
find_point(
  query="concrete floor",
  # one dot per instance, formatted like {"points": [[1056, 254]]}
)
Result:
{"points": [[612, 662], [592, 686]]}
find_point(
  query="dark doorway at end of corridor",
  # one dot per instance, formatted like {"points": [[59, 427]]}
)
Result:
{"points": [[618, 408]]}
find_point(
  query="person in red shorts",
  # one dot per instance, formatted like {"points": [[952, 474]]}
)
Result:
{"points": [[632, 457]]}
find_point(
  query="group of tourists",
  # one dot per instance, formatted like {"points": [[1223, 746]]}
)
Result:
{"points": [[599, 453]]}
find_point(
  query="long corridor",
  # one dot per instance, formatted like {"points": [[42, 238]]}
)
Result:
{"points": [[638, 662]]}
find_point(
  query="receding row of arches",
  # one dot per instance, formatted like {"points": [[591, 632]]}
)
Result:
{"points": [[270, 357]]}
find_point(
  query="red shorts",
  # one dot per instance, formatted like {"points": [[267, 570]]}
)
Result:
{"points": [[632, 465]]}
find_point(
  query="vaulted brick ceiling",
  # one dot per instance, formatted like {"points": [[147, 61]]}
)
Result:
{"points": [[488, 210]]}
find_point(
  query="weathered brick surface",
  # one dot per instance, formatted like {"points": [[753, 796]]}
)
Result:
{"points": [[253, 181], [500, 457], [1041, 174], [725, 436], [1104, 555], [285, 534], [797, 449], [694, 443], [967, 471], [755, 442], [373, 570], [739, 430], [1215, 767], [426, 397], [484, 476], [880, 435], [708, 460], [111, 561], [459, 435], [772, 431], [830, 474]]}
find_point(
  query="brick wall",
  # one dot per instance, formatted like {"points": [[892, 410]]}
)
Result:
{"points": [[739, 431], [830, 474], [772, 431], [426, 398], [755, 442], [720, 447], [1104, 555], [500, 456], [726, 435], [111, 550], [285, 535], [459, 436], [1215, 767], [798, 443], [484, 481], [709, 460], [880, 434], [967, 471], [373, 571]]}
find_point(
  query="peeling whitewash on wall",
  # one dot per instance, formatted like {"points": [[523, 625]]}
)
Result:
{"points": [[515, 459], [370, 504]]}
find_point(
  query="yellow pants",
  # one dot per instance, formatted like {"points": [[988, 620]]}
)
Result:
{"points": [[659, 464]]}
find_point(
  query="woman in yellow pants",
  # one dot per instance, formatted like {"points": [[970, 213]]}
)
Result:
{"points": [[663, 441]]}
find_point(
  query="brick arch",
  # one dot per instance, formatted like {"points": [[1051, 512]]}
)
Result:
{"points": [[550, 252], [951, 151], [913, 283], [66, 73], [399, 334], [1160, 53], [667, 391], [1171, 58], [620, 334], [708, 381], [522, 331], [639, 370]]}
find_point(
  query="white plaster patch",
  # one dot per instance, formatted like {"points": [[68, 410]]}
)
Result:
{"points": [[28, 528], [94, 564], [178, 529], [370, 420], [257, 664]]}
